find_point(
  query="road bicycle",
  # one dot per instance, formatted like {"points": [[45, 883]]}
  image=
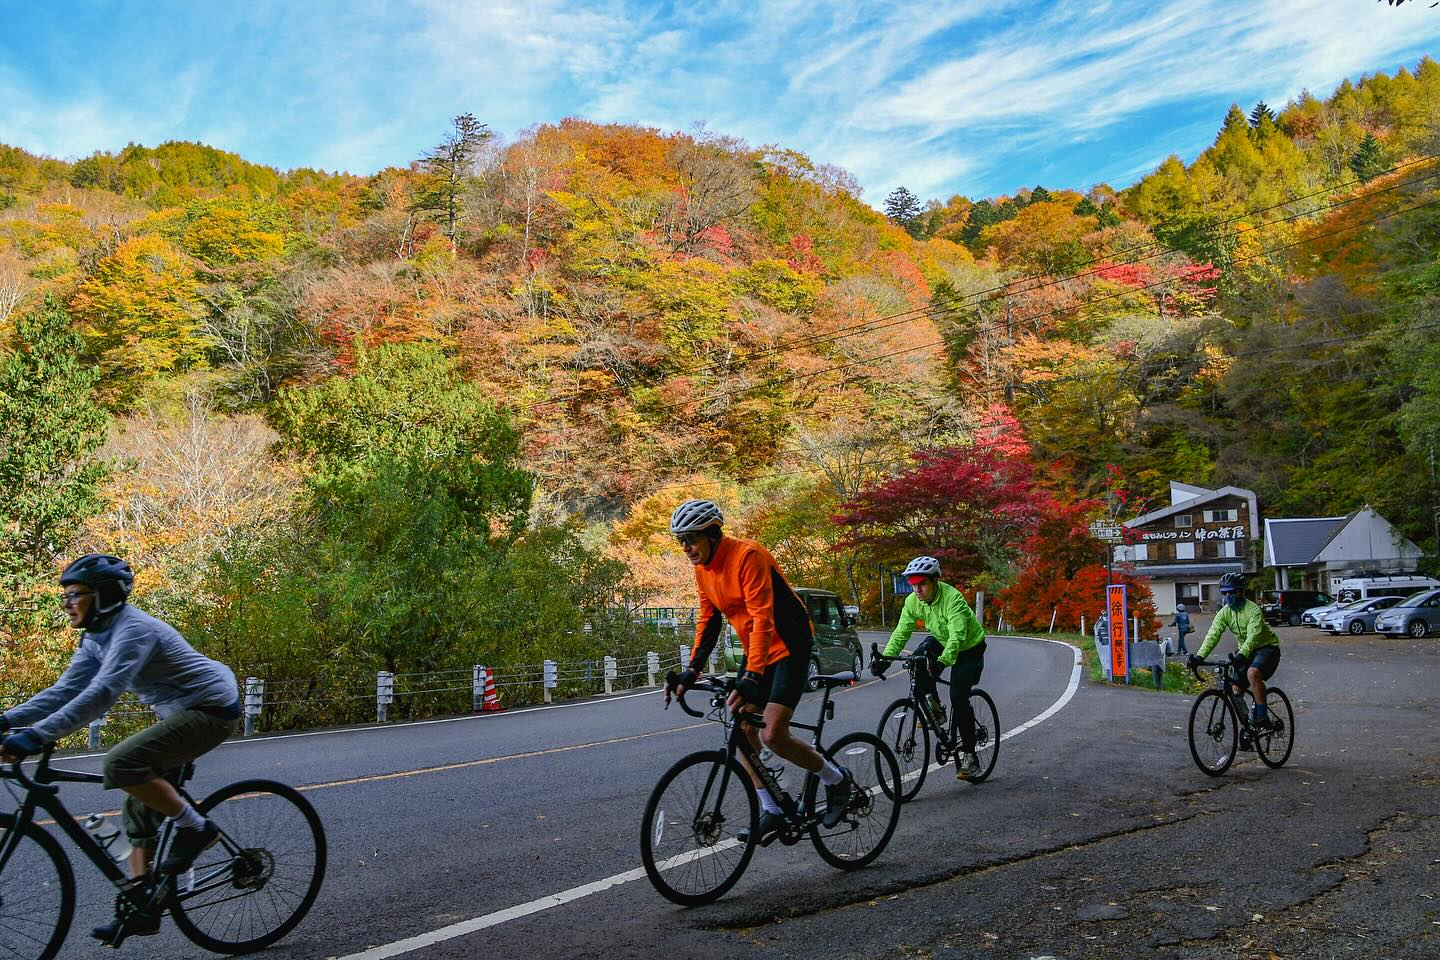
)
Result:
{"points": [[1221, 724], [907, 726], [244, 893], [701, 823]]}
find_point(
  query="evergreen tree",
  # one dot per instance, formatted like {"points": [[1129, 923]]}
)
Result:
{"points": [[49, 481], [1368, 160], [447, 170], [1261, 112], [904, 210], [982, 215], [1040, 195]]}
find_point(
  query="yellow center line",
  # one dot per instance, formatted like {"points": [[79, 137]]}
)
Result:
{"points": [[443, 768]]}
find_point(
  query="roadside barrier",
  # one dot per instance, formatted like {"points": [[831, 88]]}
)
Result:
{"points": [[299, 702]]}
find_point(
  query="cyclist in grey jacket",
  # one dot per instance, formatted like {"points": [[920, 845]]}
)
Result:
{"points": [[123, 648]]}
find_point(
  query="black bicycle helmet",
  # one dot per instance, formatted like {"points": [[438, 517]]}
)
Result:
{"points": [[109, 576], [1232, 581]]}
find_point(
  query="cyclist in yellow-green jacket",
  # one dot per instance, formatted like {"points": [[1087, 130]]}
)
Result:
{"points": [[1257, 649], [956, 641]]}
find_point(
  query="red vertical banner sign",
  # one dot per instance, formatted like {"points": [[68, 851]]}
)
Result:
{"points": [[1118, 615]]}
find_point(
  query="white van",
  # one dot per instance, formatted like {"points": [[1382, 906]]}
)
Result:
{"points": [[1363, 588]]}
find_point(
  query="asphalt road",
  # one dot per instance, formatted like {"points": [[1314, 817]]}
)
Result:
{"points": [[1096, 836]]}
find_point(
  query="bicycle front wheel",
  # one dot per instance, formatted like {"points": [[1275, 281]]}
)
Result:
{"points": [[37, 893], [1275, 743], [987, 733], [690, 837], [261, 878], [872, 811], [1213, 733], [909, 739]]}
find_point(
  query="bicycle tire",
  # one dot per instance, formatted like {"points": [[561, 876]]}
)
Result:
{"points": [[987, 734], [246, 865], [25, 874], [1274, 745], [687, 837], [873, 810], [1213, 743], [909, 739]]}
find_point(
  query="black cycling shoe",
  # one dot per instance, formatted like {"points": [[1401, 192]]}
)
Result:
{"points": [[186, 845], [135, 922], [837, 798], [770, 824]]}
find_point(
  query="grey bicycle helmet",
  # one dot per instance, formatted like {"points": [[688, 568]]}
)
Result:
{"points": [[922, 566], [695, 515]]}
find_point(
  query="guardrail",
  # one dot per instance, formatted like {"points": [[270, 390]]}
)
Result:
{"points": [[296, 702]]}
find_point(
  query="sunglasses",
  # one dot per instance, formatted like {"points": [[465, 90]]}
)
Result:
{"points": [[71, 597], [689, 539]]}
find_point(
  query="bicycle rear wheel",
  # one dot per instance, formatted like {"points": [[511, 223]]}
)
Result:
{"points": [[689, 839], [872, 813], [1213, 733], [1274, 744], [37, 893], [261, 878], [909, 739], [987, 734]]}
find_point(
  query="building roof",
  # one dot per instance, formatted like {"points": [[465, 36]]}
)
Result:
{"points": [[1295, 543], [1185, 506]]}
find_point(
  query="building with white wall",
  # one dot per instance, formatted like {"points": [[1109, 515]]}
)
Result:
{"points": [[1184, 548], [1315, 553]]}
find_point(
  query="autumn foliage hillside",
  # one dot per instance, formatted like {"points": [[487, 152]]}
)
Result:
{"points": [[494, 368]]}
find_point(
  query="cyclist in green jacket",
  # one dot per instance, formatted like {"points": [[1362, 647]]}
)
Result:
{"points": [[956, 641], [1257, 649]]}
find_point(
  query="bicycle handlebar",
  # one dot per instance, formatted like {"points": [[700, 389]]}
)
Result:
{"points": [[17, 773], [718, 687]]}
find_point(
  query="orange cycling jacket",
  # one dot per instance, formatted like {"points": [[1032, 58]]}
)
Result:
{"points": [[743, 582]]}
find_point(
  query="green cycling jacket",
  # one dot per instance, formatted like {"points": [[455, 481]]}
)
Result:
{"points": [[1249, 626], [949, 620]]}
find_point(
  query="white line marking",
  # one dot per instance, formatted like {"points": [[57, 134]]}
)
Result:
{"points": [[465, 927], [517, 712]]}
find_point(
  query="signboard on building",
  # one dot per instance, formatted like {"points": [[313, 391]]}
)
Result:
{"points": [[1200, 534], [1116, 613]]}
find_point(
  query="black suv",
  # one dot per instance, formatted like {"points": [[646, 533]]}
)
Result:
{"points": [[1287, 606]]}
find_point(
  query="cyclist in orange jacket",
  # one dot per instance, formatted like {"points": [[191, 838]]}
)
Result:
{"points": [[740, 579]]}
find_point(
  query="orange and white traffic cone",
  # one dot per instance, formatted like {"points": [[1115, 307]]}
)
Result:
{"points": [[492, 699]]}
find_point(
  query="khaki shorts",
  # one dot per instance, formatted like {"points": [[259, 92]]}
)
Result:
{"points": [[161, 750]]}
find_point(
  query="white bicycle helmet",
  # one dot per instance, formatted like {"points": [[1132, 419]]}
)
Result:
{"points": [[922, 566], [693, 516]]}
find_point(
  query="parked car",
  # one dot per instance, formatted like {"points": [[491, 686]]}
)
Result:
{"points": [[1418, 615], [837, 643], [1358, 617], [1288, 606], [1311, 617]]}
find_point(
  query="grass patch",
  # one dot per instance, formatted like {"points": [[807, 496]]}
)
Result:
{"points": [[1175, 679]]}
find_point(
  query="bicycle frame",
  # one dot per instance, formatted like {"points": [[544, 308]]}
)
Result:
{"points": [[40, 793], [738, 742], [942, 732]]}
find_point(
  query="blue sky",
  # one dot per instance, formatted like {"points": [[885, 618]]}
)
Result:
{"points": [[979, 98]]}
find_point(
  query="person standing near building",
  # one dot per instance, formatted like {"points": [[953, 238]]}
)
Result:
{"points": [[1181, 623]]}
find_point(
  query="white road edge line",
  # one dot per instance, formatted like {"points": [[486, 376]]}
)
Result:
{"points": [[405, 725], [421, 941]]}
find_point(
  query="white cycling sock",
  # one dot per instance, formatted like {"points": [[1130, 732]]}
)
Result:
{"points": [[831, 774], [768, 802], [188, 819]]}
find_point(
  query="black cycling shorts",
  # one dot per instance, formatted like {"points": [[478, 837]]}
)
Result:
{"points": [[1266, 660], [784, 681]]}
